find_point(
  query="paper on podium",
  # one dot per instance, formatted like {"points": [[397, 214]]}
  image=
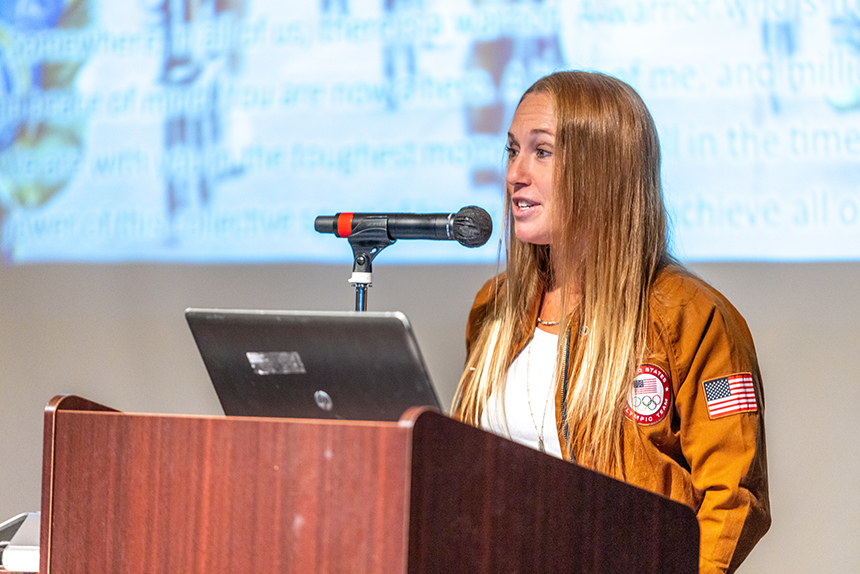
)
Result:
{"points": [[22, 553]]}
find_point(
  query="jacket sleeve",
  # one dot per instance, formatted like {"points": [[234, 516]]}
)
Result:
{"points": [[722, 439]]}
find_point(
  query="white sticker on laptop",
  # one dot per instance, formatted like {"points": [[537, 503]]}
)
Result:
{"points": [[276, 363]]}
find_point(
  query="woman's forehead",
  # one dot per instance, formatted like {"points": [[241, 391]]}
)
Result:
{"points": [[534, 114]]}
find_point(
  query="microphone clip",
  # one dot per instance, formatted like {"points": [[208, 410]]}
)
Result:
{"points": [[367, 239]]}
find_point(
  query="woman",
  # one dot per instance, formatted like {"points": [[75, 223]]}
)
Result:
{"points": [[595, 345]]}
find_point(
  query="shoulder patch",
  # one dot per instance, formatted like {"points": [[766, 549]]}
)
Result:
{"points": [[730, 395], [650, 397]]}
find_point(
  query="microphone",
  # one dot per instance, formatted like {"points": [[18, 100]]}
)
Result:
{"points": [[471, 226]]}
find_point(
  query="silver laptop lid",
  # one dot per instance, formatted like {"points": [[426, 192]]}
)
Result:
{"points": [[298, 364]]}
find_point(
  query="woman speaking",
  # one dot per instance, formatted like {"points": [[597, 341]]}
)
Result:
{"points": [[595, 345]]}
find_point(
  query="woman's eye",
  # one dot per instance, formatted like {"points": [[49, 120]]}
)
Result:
{"points": [[543, 153], [511, 152]]}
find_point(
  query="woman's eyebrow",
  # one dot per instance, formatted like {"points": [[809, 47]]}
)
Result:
{"points": [[535, 131], [546, 131]]}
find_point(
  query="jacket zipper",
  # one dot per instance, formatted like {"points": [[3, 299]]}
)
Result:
{"points": [[565, 368]]}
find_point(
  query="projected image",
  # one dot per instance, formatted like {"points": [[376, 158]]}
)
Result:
{"points": [[217, 130], [39, 153]]}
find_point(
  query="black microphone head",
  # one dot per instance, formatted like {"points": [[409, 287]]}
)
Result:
{"points": [[472, 226]]}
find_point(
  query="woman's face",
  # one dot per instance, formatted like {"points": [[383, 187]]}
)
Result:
{"points": [[531, 145]]}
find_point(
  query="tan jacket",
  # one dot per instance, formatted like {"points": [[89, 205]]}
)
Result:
{"points": [[710, 457]]}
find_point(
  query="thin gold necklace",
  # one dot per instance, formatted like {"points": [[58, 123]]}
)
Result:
{"points": [[547, 323], [541, 445]]}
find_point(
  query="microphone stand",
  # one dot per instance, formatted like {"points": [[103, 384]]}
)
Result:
{"points": [[368, 238]]}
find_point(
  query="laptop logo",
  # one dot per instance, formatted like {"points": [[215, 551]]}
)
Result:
{"points": [[323, 400], [276, 363]]}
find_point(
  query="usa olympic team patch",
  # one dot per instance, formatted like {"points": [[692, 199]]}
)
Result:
{"points": [[650, 397]]}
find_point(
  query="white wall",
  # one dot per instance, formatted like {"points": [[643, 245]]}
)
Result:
{"points": [[117, 335]]}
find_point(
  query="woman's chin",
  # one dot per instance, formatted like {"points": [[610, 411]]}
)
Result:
{"points": [[531, 236]]}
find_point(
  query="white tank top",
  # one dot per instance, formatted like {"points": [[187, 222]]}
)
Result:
{"points": [[529, 384]]}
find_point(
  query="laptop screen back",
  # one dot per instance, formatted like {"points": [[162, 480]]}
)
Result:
{"points": [[341, 365]]}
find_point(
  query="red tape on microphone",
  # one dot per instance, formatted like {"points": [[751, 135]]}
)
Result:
{"points": [[344, 224]]}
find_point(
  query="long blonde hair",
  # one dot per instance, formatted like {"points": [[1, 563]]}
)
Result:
{"points": [[609, 240]]}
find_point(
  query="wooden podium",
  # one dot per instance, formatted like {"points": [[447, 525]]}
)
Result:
{"points": [[135, 493]]}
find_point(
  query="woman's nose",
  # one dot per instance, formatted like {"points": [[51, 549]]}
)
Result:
{"points": [[518, 171]]}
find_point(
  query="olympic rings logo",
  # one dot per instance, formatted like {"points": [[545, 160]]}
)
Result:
{"points": [[648, 402]]}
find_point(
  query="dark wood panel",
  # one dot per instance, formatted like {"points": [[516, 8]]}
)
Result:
{"points": [[481, 504]]}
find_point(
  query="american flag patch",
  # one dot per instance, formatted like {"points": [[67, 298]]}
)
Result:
{"points": [[729, 395]]}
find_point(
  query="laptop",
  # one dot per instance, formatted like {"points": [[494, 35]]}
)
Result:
{"points": [[297, 364]]}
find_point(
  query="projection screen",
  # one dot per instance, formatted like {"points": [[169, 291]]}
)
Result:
{"points": [[215, 131]]}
